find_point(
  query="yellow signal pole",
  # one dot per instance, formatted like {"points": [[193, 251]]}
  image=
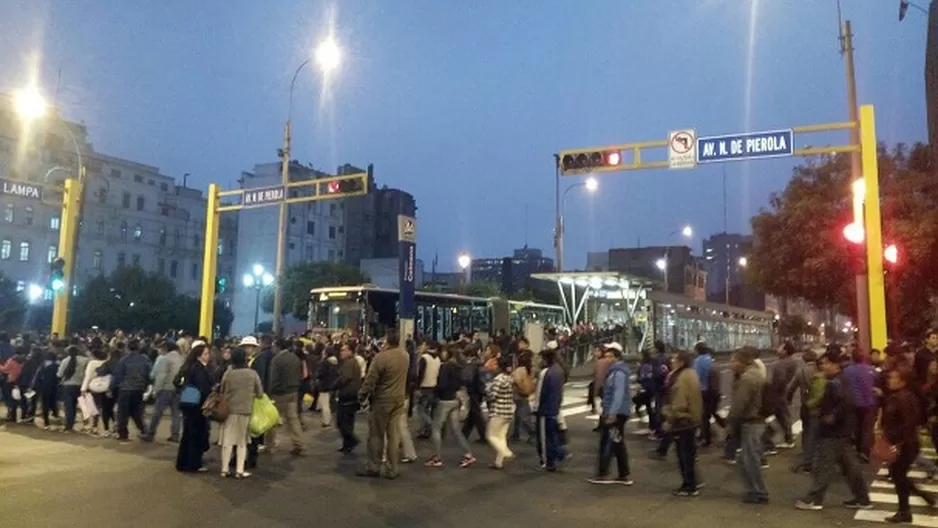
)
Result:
{"points": [[873, 229], [68, 232], [209, 261]]}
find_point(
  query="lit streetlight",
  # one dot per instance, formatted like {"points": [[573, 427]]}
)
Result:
{"points": [[30, 104], [743, 262], [662, 264], [592, 185], [465, 263], [687, 232], [258, 280], [34, 293], [328, 56]]}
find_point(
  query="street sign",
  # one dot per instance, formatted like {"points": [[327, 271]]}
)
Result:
{"points": [[407, 265], [735, 147], [682, 146], [31, 191], [263, 196]]}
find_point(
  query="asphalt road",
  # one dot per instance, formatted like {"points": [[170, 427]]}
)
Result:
{"points": [[52, 479]]}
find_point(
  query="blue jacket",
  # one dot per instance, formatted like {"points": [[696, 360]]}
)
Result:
{"points": [[647, 377], [551, 392], [616, 398], [703, 365], [133, 373]]}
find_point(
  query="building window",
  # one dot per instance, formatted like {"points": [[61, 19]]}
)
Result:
{"points": [[8, 214], [332, 209], [292, 220], [140, 203], [162, 237], [331, 233], [24, 251], [123, 230], [28, 216], [173, 269], [195, 271], [310, 252], [164, 187], [177, 236], [47, 294], [311, 228], [161, 266], [102, 195], [195, 241], [126, 201], [135, 259], [151, 183], [138, 232], [116, 174], [20, 286], [138, 178], [121, 259], [331, 254], [100, 227], [55, 222], [6, 248], [51, 253], [96, 259]]}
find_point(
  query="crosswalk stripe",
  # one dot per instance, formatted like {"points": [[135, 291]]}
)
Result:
{"points": [[892, 498], [926, 521], [914, 474], [885, 484]]}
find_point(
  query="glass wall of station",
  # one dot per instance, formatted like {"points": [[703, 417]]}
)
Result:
{"points": [[683, 325]]}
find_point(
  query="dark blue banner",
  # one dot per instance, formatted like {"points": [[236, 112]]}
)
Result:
{"points": [[407, 264]]}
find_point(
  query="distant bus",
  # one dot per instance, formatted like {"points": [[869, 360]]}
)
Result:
{"points": [[368, 311]]}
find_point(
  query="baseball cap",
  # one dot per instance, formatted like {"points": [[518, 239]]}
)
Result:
{"points": [[614, 346], [248, 341]]}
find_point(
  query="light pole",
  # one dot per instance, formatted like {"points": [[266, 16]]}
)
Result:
{"points": [[258, 279], [327, 57], [31, 106], [664, 263], [591, 185]]}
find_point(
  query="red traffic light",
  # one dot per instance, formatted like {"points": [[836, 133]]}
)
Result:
{"points": [[332, 187], [853, 232], [587, 160], [891, 254]]}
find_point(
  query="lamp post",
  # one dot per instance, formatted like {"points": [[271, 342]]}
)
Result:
{"points": [[663, 263], [31, 106], [258, 279], [591, 185], [741, 263], [465, 261], [327, 57]]}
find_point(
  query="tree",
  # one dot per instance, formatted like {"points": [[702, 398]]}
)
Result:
{"points": [[799, 250], [12, 305], [795, 327], [480, 288], [132, 299], [300, 278]]}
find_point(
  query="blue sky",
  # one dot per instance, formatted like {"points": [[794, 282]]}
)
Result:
{"points": [[464, 103]]}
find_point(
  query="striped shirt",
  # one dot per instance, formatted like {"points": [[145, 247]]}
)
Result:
{"points": [[501, 393]]}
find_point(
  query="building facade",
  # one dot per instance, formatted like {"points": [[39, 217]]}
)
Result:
{"points": [[725, 256], [511, 273], [371, 220], [133, 214], [686, 274]]}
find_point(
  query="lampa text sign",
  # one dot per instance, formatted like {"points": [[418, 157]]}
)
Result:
{"points": [[21, 189], [756, 145]]}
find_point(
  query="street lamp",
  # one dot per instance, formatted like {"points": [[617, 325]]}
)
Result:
{"points": [[258, 280], [591, 185], [328, 57], [743, 262], [34, 293], [30, 105], [465, 262]]}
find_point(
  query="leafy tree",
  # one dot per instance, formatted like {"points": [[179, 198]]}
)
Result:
{"points": [[300, 278], [799, 250], [12, 305], [795, 327], [481, 288]]}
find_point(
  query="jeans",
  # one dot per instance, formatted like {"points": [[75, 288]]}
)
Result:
{"points": [[130, 406], [686, 446], [522, 419], [549, 444], [866, 422], [425, 403], [711, 400], [498, 438], [474, 420], [832, 453], [446, 413], [345, 421], [326, 408], [105, 405], [809, 438], [750, 440], [164, 399], [70, 400], [612, 443]]}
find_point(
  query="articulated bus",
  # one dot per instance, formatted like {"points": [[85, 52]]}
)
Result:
{"points": [[368, 310]]}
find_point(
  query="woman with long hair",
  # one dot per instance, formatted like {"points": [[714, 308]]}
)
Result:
{"points": [[196, 383], [72, 373]]}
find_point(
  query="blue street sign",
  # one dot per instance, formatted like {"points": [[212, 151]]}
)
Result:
{"points": [[407, 264], [735, 147], [263, 196], [21, 189]]}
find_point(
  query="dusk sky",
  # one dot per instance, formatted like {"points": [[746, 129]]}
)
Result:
{"points": [[464, 103]]}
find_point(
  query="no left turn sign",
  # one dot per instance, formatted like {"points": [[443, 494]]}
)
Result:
{"points": [[682, 149]]}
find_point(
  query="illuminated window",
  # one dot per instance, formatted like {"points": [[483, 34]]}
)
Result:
{"points": [[6, 248], [24, 251], [55, 222], [51, 253], [138, 232]]}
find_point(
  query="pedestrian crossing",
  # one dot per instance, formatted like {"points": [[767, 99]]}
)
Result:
{"points": [[885, 500]]}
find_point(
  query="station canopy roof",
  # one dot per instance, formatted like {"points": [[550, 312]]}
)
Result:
{"points": [[597, 280]]}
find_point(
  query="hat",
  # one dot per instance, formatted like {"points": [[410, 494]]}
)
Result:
{"points": [[197, 343], [552, 345], [613, 346], [248, 341]]}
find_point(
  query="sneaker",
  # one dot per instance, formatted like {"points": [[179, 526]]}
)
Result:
{"points": [[681, 492], [624, 481], [785, 445], [700, 485], [601, 480], [808, 506], [433, 463], [857, 505], [408, 460], [765, 465], [771, 452], [729, 461], [467, 461]]}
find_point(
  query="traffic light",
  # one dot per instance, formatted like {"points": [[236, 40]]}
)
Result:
{"points": [[345, 185], [854, 233], [891, 254], [57, 275], [221, 284], [581, 161]]}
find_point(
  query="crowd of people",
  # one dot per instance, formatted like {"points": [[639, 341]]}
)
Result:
{"points": [[499, 391]]}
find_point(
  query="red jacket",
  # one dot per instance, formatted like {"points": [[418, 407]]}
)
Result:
{"points": [[12, 369]]}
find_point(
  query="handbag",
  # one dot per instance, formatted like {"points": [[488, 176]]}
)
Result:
{"points": [[190, 396], [216, 406], [100, 384], [884, 451]]}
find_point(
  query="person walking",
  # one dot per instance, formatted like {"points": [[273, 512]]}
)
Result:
{"points": [[240, 385], [745, 419], [196, 384], [682, 418], [129, 382], [385, 387], [72, 374], [346, 388], [448, 385], [616, 403], [165, 369], [501, 393], [286, 371]]}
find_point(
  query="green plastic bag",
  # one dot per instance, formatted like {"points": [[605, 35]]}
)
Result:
{"points": [[264, 416]]}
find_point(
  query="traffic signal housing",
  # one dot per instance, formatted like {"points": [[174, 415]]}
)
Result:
{"points": [[352, 184], [221, 285], [589, 160], [57, 275]]}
